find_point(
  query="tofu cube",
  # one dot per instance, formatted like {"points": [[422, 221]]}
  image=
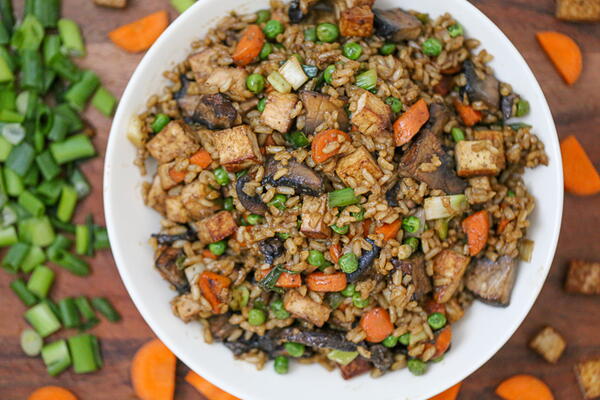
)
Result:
{"points": [[306, 308], [231, 81], [448, 270], [588, 376], [278, 109], [357, 21], [175, 210], [111, 3], [372, 116], [195, 198], [237, 147], [216, 227], [478, 157], [497, 139], [203, 63], [352, 167], [583, 277], [163, 171], [549, 344], [313, 218], [156, 196], [578, 10], [186, 308], [175, 140]]}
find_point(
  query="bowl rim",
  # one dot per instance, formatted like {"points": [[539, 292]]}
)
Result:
{"points": [[225, 382]]}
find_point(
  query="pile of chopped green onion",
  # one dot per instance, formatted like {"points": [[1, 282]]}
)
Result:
{"points": [[42, 145]]}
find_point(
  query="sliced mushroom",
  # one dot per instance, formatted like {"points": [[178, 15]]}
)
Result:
{"points": [[254, 204], [415, 267], [300, 177], [300, 9], [268, 343], [486, 90], [507, 104], [220, 328], [381, 357], [215, 111], [397, 25], [321, 339], [364, 262], [391, 195], [164, 239], [318, 106], [272, 248], [492, 281], [166, 262]]}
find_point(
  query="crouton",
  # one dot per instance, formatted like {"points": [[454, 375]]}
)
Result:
{"points": [[549, 344], [156, 196], [588, 376], [578, 10], [448, 270], [175, 140], [237, 147], [352, 168], [313, 215], [228, 80], [357, 21], [111, 3], [216, 227], [203, 63], [186, 308], [478, 157], [163, 172], [306, 308], [372, 116], [175, 210], [195, 198], [583, 277], [277, 111]]}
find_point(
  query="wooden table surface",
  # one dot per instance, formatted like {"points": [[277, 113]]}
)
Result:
{"points": [[576, 111]]}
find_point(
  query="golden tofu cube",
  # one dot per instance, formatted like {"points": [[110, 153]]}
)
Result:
{"points": [[357, 21], [549, 344], [195, 200], [306, 308], [351, 169], [478, 157], [313, 216], [278, 109], [237, 147], [216, 227], [372, 116], [448, 270], [175, 140]]}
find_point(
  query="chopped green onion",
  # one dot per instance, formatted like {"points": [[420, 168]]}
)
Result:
{"points": [[35, 257], [11, 116], [47, 165], [523, 108], [8, 236], [79, 93], [6, 14], [104, 101], [342, 357], [5, 148], [80, 183], [50, 47], [279, 83], [101, 241], [32, 204], [160, 121], [342, 198], [70, 36], [6, 74], [41, 281], [32, 176], [293, 73], [59, 129], [37, 231], [104, 307], [42, 319], [367, 80], [75, 121], [69, 313], [20, 158], [8, 97], [67, 203], [441, 227], [86, 311], [182, 5], [73, 264], [44, 119], [47, 12], [14, 257], [59, 244], [340, 230], [32, 71], [445, 206], [31, 342], [49, 191], [28, 35], [82, 239], [13, 133], [298, 139], [74, 148], [19, 287], [14, 183], [65, 68], [457, 134], [56, 357]]}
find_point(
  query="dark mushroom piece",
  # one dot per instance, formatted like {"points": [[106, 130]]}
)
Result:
{"points": [[300, 177], [391, 195], [492, 281], [254, 204], [167, 262], [268, 343], [415, 267], [272, 248], [215, 111], [317, 106], [507, 105], [300, 9], [381, 357], [486, 90], [220, 328], [164, 239], [323, 339], [364, 262], [397, 25]]}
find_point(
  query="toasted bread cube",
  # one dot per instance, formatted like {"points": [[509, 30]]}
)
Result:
{"points": [[549, 344], [478, 157], [448, 270], [588, 376], [313, 216], [306, 308], [357, 21], [372, 116], [163, 172], [237, 147], [216, 227], [578, 10], [583, 277], [277, 111], [351, 168], [111, 3], [175, 210], [195, 199], [203, 63], [156, 196], [175, 140]]}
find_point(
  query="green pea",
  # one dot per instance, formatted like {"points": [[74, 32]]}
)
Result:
{"points": [[279, 310], [298, 139], [413, 242], [328, 73], [457, 134], [261, 104], [417, 367], [395, 104], [432, 47], [349, 290], [352, 50], [279, 201], [273, 28], [218, 248], [221, 176], [455, 30], [340, 230], [387, 49], [265, 51], [316, 258], [255, 83], [310, 34], [281, 365], [523, 108], [256, 317], [390, 341], [283, 235], [436, 320], [411, 224], [294, 349], [358, 301], [160, 122], [359, 216], [228, 204], [263, 16], [348, 263], [438, 359], [511, 193], [254, 219], [327, 32], [404, 339]]}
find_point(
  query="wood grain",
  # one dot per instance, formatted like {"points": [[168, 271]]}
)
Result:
{"points": [[576, 110]]}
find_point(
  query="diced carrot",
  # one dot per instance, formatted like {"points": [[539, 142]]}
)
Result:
{"points": [[177, 176], [285, 280], [477, 227], [502, 225], [444, 86], [51, 393], [212, 285], [431, 306], [322, 139], [141, 34], [208, 390], [322, 282], [449, 394], [209, 254], [335, 251], [153, 372], [376, 324], [409, 123], [452, 70], [524, 387], [366, 226], [468, 114], [564, 53], [201, 158], [389, 231], [443, 341], [249, 46], [581, 177]]}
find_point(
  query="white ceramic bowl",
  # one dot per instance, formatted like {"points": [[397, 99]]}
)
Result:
{"points": [[477, 337]]}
